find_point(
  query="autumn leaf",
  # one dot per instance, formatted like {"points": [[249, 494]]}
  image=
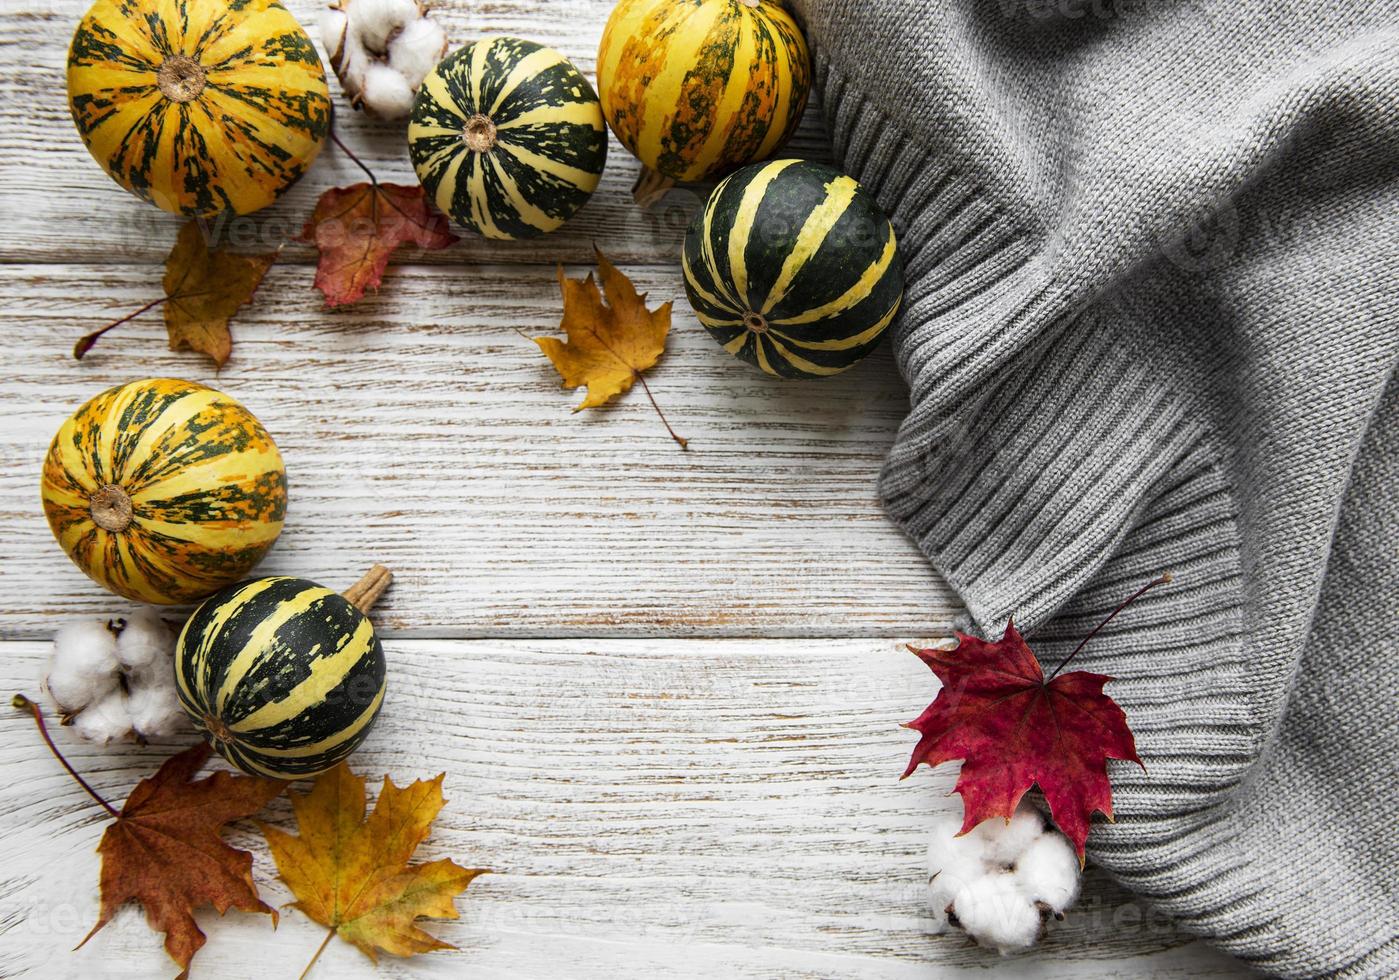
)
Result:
{"points": [[1013, 729], [609, 343], [204, 287], [357, 228], [352, 875]]}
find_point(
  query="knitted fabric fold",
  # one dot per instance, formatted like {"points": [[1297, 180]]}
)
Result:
{"points": [[1153, 307]]}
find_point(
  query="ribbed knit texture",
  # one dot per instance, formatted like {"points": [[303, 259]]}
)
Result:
{"points": [[1153, 307]]}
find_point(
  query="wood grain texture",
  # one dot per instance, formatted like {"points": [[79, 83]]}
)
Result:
{"points": [[422, 430], [698, 808], [58, 205]]}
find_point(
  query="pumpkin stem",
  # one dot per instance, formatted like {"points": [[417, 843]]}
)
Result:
{"points": [[479, 134], [650, 187], [181, 78], [755, 322], [751, 3], [364, 593], [110, 508]]}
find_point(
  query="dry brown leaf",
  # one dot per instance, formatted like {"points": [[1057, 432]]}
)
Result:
{"points": [[164, 850], [352, 875], [204, 288]]}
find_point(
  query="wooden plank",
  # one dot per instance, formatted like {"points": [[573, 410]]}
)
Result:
{"points": [[706, 808], [421, 429], [59, 206]]}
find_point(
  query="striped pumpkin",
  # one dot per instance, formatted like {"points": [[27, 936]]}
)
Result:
{"points": [[198, 106], [793, 267], [695, 88], [164, 491], [508, 138], [282, 676]]}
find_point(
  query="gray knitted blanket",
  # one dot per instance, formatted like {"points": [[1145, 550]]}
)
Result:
{"points": [[1151, 324]]}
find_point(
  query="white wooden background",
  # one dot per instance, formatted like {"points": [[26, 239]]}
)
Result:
{"points": [[665, 686]]}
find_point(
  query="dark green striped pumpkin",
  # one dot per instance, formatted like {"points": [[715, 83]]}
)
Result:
{"points": [[508, 138], [282, 676], [793, 267]]}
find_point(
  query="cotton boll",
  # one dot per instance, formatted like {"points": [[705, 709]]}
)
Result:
{"points": [[83, 665], [998, 913], [386, 92], [381, 50], [105, 720], [417, 50], [1047, 871], [145, 640]]}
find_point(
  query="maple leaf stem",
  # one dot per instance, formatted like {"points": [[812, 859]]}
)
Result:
{"points": [[24, 704], [85, 343], [683, 443], [1163, 580], [329, 935], [350, 153]]}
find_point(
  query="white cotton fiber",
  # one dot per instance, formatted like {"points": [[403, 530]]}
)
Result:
{"points": [[995, 910], [1048, 871], [106, 720], [83, 664], [144, 640]]}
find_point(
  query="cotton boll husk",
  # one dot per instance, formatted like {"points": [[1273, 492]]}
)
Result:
{"points": [[386, 92], [997, 912], [144, 641], [1047, 871], [417, 49], [105, 720], [83, 665]]}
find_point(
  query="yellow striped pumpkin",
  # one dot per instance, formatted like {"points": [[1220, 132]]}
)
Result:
{"points": [[507, 137], [164, 491], [198, 106], [793, 268], [282, 676], [695, 88]]}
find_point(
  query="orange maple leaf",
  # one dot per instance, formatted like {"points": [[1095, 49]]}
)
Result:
{"points": [[164, 850], [351, 874], [609, 343], [357, 228]]}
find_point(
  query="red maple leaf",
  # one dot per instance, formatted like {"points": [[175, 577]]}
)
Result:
{"points": [[1012, 729], [356, 228]]}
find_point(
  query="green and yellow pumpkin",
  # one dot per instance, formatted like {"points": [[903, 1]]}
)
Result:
{"points": [[507, 137], [282, 676], [792, 267], [164, 491], [695, 88], [199, 106]]}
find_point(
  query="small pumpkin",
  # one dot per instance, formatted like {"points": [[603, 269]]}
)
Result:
{"points": [[164, 491], [695, 88], [282, 676], [198, 106], [793, 267], [507, 137]]}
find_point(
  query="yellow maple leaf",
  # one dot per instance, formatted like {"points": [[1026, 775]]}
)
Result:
{"points": [[609, 343], [351, 874]]}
